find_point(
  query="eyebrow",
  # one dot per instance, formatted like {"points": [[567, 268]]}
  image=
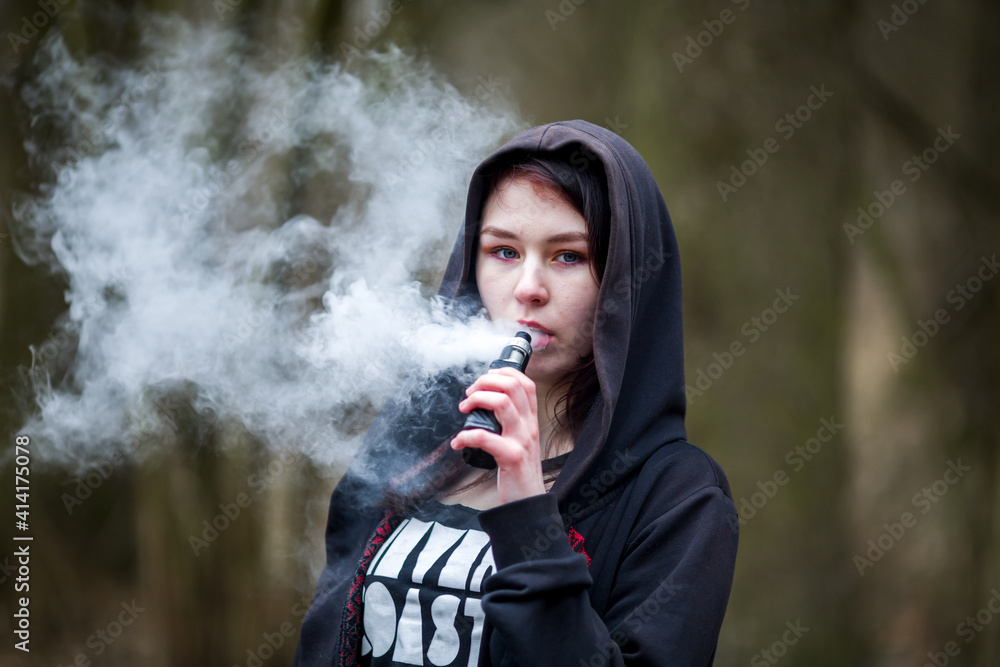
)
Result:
{"points": [[567, 237]]}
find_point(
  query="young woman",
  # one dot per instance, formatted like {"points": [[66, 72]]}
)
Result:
{"points": [[602, 537]]}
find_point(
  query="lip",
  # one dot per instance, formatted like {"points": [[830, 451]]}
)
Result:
{"points": [[541, 336], [534, 325]]}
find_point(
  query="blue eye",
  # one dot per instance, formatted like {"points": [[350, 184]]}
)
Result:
{"points": [[504, 253], [571, 257]]}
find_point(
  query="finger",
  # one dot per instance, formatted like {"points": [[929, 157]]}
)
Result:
{"points": [[478, 438], [499, 403], [521, 390], [507, 371], [519, 427], [505, 451], [522, 380], [493, 380]]}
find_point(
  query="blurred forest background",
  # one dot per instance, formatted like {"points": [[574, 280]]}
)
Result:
{"points": [[768, 126]]}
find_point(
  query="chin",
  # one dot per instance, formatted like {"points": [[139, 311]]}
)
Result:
{"points": [[547, 372]]}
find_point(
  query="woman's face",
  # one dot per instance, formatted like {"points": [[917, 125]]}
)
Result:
{"points": [[533, 267]]}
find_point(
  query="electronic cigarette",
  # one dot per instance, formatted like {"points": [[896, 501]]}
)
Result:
{"points": [[515, 354]]}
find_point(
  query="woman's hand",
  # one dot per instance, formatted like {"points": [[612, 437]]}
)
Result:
{"points": [[510, 394]]}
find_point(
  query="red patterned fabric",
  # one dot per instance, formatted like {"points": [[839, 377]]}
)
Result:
{"points": [[350, 624], [576, 541]]}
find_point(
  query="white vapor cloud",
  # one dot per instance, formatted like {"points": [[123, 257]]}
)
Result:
{"points": [[259, 238]]}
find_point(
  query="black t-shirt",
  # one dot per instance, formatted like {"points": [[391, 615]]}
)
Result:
{"points": [[423, 591]]}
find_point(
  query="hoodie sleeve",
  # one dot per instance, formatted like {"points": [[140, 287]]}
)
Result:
{"points": [[666, 608]]}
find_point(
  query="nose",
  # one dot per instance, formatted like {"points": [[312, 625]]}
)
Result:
{"points": [[531, 286]]}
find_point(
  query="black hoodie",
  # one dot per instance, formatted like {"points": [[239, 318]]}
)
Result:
{"points": [[652, 513]]}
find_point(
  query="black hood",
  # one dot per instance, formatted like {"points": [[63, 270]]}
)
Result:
{"points": [[638, 337]]}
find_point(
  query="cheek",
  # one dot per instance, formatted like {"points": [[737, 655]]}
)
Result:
{"points": [[490, 286], [580, 311]]}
